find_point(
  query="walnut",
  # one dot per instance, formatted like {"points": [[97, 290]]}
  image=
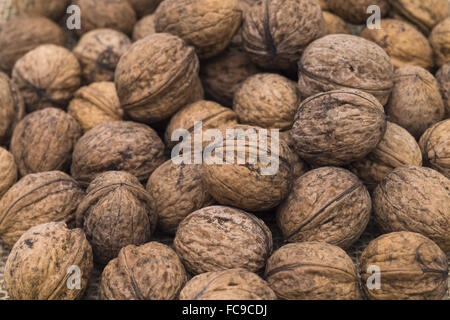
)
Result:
{"points": [[411, 266], [144, 27], [275, 33], [338, 127], [233, 284], [116, 212], [7, 12], [397, 148], [122, 146], [8, 171], [144, 7], [41, 263], [52, 9], [12, 108], [267, 100], [96, 104], [334, 24], [435, 146], [415, 199], [443, 78], [323, 4], [344, 61], [218, 238], [299, 167], [47, 77], [99, 51], [312, 271], [355, 11], [23, 34], [440, 41], [416, 102], [403, 43], [208, 25], [156, 77], [246, 5]]}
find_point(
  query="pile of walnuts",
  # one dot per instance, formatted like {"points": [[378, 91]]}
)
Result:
{"points": [[94, 120]]}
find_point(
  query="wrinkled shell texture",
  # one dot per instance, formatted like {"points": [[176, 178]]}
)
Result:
{"points": [[144, 27], [415, 199], [338, 127], [152, 271], [326, 204], [144, 7], [403, 43], [99, 52], [268, 101], [47, 77], [233, 284], [440, 41], [397, 148], [95, 104], [116, 212], [156, 76], [345, 61], [355, 11], [218, 238], [411, 267], [334, 24], [208, 25], [416, 103], [176, 191], [12, 108], [443, 78], [37, 267], [435, 146], [299, 167], [312, 271], [52, 9], [7, 12], [23, 34], [121, 145], [44, 140], [275, 32], [8, 171]]}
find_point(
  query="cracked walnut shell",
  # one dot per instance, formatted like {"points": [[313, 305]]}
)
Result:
{"points": [[435, 146], [8, 171], [52, 9], [440, 41], [12, 108]]}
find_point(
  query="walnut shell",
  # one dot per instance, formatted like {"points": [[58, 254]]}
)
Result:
{"points": [[312, 271], [345, 61], [218, 238], [443, 78], [152, 271], [95, 104], [144, 27], [275, 33], [334, 24], [355, 11], [156, 76], [47, 77], [40, 265], [99, 51], [144, 7], [299, 167], [52, 9], [338, 127], [415, 199], [397, 148], [246, 5], [435, 146], [411, 266], [122, 146], [233, 284], [402, 42], [415, 103], [23, 34], [267, 100], [8, 171], [440, 41], [208, 25], [12, 108], [116, 212], [7, 12]]}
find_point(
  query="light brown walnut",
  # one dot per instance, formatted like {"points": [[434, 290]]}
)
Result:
{"points": [[435, 146]]}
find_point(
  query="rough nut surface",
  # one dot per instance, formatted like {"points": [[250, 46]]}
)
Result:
{"points": [[312, 271], [440, 41], [411, 267], [299, 167], [443, 78], [8, 171], [334, 24], [435, 146], [218, 238], [144, 7], [53, 9], [12, 108], [144, 27], [355, 11]]}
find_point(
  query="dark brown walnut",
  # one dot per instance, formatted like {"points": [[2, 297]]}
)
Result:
{"points": [[440, 41], [47, 77], [355, 11], [411, 267], [275, 33], [415, 199], [42, 262], [443, 78], [334, 24], [218, 238], [12, 108], [44, 140], [99, 51], [435, 146], [176, 190], [52, 9], [156, 77], [403, 43], [121, 146], [338, 127], [416, 103], [36, 199], [95, 104], [8, 171], [144, 7], [233, 284], [327, 204], [144, 27], [299, 167], [112, 14], [23, 34], [312, 271], [267, 100], [208, 25], [397, 148], [115, 213]]}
